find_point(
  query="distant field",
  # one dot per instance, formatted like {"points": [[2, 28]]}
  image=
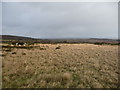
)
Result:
{"points": [[60, 66]]}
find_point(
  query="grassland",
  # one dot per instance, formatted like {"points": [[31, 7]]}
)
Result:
{"points": [[60, 66]]}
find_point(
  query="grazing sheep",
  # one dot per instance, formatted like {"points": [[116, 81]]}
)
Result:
{"points": [[20, 44]]}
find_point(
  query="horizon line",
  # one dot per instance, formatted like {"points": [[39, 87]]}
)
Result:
{"points": [[59, 38]]}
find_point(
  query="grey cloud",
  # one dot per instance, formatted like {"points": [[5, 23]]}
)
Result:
{"points": [[61, 20], [0, 18]]}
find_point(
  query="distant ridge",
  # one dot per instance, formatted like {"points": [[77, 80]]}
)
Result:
{"points": [[9, 38]]}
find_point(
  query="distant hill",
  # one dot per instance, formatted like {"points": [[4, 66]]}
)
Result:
{"points": [[9, 38]]}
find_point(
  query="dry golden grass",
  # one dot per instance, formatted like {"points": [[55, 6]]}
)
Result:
{"points": [[72, 65]]}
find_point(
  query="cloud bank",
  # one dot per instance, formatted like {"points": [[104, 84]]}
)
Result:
{"points": [[60, 20]]}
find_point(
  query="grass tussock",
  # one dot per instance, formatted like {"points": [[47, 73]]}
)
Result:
{"points": [[14, 53], [42, 48], [23, 53], [2, 55], [72, 66], [58, 47]]}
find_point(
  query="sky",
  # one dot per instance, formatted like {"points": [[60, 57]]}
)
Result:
{"points": [[60, 19]]}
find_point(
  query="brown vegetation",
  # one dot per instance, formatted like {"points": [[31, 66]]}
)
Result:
{"points": [[72, 65]]}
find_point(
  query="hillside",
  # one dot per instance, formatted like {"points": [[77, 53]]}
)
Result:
{"points": [[9, 38]]}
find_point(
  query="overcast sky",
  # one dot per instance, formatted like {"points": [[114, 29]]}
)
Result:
{"points": [[60, 20]]}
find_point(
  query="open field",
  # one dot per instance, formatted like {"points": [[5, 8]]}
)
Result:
{"points": [[60, 66]]}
